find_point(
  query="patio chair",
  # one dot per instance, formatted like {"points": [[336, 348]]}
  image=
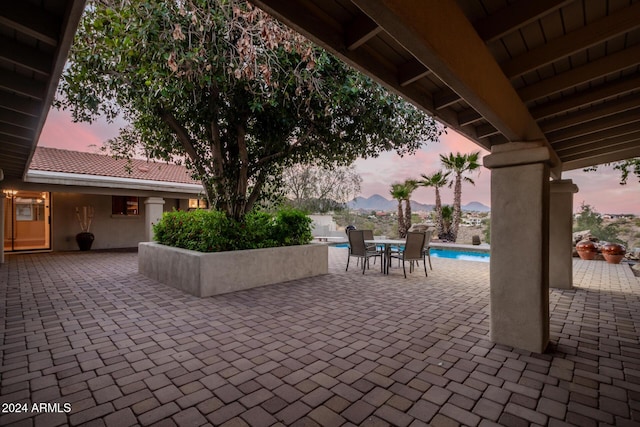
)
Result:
{"points": [[358, 249], [413, 251], [368, 235], [427, 246]]}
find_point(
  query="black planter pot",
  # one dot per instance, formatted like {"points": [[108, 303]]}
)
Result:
{"points": [[85, 240]]}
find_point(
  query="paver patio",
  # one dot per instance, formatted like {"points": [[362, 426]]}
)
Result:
{"points": [[340, 349]]}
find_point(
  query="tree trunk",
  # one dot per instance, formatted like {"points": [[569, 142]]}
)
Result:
{"points": [[439, 220], [407, 215], [457, 201], [402, 231]]}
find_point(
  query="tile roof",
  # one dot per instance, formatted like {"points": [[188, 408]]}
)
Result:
{"points": [[76, 162]]}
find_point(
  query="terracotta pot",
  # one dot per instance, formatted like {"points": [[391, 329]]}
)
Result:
{"points": [[613, 253], [586, 249]]}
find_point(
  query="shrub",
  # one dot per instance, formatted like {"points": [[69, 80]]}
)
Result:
{"points": [[213, 231]]}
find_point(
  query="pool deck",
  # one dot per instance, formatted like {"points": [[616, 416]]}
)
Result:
{"points": [[339, 349]]}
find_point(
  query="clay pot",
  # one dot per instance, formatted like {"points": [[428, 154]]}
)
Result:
{"points": [[613, 253], [587, 250]]}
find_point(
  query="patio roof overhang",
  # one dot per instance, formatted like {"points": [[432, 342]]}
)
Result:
{"points": [[563, 72], [35, 38]]}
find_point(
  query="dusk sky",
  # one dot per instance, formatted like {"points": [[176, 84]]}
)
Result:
{"points": [[599, 189]]}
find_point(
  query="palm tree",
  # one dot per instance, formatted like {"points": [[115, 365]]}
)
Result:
{"points": [[447, 214], [410, 186], [459, 164], [399, 192], [436, 180]]}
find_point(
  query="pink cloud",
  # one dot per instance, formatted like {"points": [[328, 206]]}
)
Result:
{"points": [[378, 174], [60, 131], [599, 189]]}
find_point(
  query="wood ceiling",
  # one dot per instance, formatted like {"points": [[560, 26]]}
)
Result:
{"points": [[564, 72], [35, 37]]}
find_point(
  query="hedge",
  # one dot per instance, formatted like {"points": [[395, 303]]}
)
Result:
{"points": [[213, 231]]}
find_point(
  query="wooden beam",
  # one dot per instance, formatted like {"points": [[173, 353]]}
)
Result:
{"points": [[33, 21], [606, 28], [616, 156], [514, 16], [16, 131], [602, 151], [12, 142], [440, 36], [602, 144], [593, 70], [468, 116], [586, 115], [596, 136], [597, 125], [411, 71], [601, 93], [13, 82], [486, 130], [360, 31], [25, 56], [445, 98], [20, 104], [17, 119]]}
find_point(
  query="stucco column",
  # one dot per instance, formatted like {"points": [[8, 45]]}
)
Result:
{"points": [[2, 213], [153, 208], [520, 245], [560, 233]]}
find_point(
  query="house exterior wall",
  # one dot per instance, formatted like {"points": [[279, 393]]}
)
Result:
{"points": [[111, 231]]}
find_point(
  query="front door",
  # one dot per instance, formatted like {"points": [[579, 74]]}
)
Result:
{"points": [[27, 220]]}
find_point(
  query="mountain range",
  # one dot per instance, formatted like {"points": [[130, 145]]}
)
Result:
{"points": [[379, 203]]}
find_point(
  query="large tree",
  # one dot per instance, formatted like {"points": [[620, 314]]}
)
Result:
{"points": [[232, 91], [459, 164], [317, 189], [437, 180]]}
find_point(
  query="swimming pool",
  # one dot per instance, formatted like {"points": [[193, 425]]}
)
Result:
{"points": [[463, 255], [447, 253]]}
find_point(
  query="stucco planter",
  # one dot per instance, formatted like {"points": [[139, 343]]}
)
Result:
{"points": [[206, 274]]}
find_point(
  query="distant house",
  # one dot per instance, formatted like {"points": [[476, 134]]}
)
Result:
{"points": [[40, 212]]}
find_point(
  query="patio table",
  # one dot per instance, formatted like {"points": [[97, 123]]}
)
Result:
{"points": [[387, 250]]}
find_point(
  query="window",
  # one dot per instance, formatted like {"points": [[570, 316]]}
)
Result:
{"points": [[198, 204], [124, 205]]}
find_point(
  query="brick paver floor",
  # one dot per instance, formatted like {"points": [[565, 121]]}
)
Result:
{"points": [[341, 349]]}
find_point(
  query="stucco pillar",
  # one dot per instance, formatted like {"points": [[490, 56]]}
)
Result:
{"points": [[560, 233], [2, 213], [153, 208], [520, 245]]}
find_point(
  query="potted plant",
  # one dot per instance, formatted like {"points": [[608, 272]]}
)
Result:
{"points": [[587, 249], [85, 237], [613, 253]]}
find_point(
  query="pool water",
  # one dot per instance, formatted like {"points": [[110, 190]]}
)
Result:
{"points": [[447, 253], [463, 255]]}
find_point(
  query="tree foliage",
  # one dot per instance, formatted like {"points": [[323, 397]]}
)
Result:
{"points": [[232, 91], [437, 180], [317, 189], [626, 168], [589, 219], [459, 164], [402, 193]]}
